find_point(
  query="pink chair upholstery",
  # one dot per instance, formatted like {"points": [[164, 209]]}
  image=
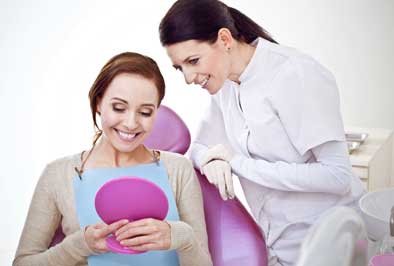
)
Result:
{"points": [[234, 237], [169, 132], [58, 237]]}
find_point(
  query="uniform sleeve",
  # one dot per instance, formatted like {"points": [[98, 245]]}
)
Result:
{"points": [[189, 236], [306, 100], [211, 131], [41, 223], [331, 173]]}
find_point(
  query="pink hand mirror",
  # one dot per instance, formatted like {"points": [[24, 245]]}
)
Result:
{"points": [[131, 198]]}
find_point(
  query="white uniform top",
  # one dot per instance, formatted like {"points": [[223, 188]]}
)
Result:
{"points": [[284, 124]]}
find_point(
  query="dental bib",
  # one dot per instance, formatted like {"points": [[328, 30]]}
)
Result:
{"points": [[92, 182]]}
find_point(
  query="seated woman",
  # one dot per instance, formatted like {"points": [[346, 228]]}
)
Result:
{"points": [[126, 96]]}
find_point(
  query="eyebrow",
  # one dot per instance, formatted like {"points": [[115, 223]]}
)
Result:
{"points": [[148, 105], [142, 105], [119, 99]]}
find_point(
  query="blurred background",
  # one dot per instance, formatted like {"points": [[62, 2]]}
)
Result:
{"points": [[51, 52]]}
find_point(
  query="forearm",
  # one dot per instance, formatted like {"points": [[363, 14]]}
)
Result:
{"points": [[196, 153], [331, 173], [70, 251], [188, 246]]}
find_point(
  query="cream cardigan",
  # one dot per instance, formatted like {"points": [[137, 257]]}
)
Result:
{"points": [[53, 203]]}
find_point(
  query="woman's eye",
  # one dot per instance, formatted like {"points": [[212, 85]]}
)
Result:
{"points": [[193, 61], [147, 114], [118, 110]]}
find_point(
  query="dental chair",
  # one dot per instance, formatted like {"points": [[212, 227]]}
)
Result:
{"points": [[234, 238]]}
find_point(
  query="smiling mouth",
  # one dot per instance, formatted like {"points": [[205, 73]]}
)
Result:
{"points": [[204, 82], [128, 137]]}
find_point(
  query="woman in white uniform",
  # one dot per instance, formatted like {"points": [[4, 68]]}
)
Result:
{"points": [[274, 121]]}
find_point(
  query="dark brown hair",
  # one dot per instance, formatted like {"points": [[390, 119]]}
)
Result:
{"points": [[202, 19], [128, 62]]}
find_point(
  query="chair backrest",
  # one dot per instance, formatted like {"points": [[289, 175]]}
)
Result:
{"points": [[234, 237], [169, 133]]}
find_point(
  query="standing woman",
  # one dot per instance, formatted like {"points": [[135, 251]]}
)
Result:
{"points": [[273, 120]]}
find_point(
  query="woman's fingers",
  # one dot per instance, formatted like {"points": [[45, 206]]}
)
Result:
{"points": [[110, 229], [229, 183], [96, 234], [134, 224], [221, 182], [145, 233], [140, 240], [130, 230]]}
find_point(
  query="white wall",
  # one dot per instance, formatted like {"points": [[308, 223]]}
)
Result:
{"points": [[51, 51]]}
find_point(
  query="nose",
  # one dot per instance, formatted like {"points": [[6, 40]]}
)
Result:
{"points": [[189, 76], [131, 121]]}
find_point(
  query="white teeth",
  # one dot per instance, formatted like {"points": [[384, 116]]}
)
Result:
{"points": [[204, 82], [126, 135]]}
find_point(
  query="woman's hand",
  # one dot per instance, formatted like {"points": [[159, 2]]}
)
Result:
{"points": [[215, 165], [96, 234], [145, 234], [217, 152], [218, 173]]}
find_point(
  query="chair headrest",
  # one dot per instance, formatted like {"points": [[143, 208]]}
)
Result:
{"points": [[169, 132]]}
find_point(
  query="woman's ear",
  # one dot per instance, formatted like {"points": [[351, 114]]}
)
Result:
{"points": [[98, 107], [225, 38]]}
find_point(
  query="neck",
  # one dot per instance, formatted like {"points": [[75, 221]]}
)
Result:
{"points": [[240, 58]]}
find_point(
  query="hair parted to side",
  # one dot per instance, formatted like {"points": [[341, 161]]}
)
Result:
{"points": [[128, 62], [202, 19]]}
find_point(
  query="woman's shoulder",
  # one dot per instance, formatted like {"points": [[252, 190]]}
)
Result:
{"points": [[64, 165], [180, 170], [175, 160], [58, 172], [65, 161]]}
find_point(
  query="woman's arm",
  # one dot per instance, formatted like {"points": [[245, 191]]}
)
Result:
{"points": [[211, 131], [306, 100], [42, 221], [189, 236], [330, 173]]}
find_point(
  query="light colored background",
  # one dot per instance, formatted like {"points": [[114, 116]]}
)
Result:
{"points": [[51, 52]]}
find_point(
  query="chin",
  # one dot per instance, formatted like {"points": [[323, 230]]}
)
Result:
{"points": [[123, 149], [126, 147], [213, 91]]}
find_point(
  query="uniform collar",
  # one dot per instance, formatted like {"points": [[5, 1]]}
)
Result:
{"points": [[250, 69]]}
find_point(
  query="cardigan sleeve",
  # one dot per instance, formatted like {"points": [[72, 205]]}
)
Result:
{"points": [[189, 235], [41, 223]]}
